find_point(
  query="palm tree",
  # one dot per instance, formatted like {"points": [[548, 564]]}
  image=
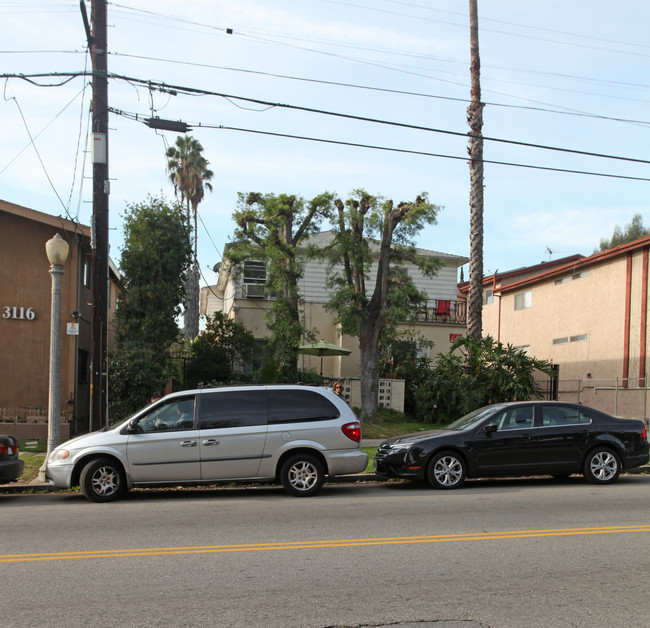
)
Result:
{"points": [[188, 171], [475, 120]]}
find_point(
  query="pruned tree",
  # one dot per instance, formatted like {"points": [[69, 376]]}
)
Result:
{"points": [[375, 236], [271, 229], [188, 171]]}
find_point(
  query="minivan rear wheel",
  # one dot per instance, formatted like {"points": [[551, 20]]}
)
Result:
{"points": [[102, 480], [302, 475]]}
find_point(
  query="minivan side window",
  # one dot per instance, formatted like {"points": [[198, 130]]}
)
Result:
{"points": [[232, 408], [177, 414], [297, 406]]}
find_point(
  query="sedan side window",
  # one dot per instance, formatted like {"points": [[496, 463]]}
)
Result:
{"points": [[563, 415], [515, 419], [175, 415]]}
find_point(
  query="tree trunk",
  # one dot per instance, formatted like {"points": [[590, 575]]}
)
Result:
{"points": [[475, 120], [369, 346], [192, 297]]}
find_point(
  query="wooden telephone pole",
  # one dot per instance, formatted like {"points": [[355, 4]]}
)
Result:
{"points": [[97, 41]]}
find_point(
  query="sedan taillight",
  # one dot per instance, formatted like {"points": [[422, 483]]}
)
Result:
{"points": [[352, 431], [644, 433]]}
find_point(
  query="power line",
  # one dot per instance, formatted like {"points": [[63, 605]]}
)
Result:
{"points": [[384, 89], [266, 103]]}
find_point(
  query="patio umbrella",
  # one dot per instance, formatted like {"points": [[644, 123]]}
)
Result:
{"points": [[322, 348]]}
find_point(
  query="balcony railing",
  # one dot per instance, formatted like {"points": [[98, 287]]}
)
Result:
{"points": [[442, 311]]}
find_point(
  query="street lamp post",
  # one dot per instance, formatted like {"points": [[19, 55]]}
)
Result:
{"points": [[57, 253]]}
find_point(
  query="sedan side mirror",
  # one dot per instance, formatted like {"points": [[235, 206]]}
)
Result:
{"points": [[490, 428]]}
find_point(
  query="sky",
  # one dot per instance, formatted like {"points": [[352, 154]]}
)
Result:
{"points": [[568, 77]]}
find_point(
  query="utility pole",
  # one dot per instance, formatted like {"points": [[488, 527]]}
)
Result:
{"points": [[475, 148], [99, 365]]}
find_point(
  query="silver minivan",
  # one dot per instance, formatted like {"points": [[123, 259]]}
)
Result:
{"points": [[291, 434]]}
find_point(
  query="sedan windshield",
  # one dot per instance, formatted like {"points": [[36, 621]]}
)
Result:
{"points": [[470, 420]]}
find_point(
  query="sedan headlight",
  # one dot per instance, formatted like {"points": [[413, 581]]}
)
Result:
{"points": [[400, 446], [59, 454]]}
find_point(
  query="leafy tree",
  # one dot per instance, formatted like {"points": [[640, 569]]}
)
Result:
{"points": [[476, 372], [633, 231], [189, 172], [374, 234], [271, 229], [216, 351], [154, 259]]}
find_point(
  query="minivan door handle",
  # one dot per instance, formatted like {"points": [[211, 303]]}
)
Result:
{"points": [[210, 441], [188, 443]]}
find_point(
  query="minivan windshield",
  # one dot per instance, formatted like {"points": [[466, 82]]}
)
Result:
{"points": [[470, 420]]}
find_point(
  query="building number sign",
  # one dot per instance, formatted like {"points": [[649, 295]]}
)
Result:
{"points": [[19, 313]]}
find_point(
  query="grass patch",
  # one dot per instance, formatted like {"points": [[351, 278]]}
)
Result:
{"points": [[371, 454], [34, 445], [388, 423], [32, 465]]}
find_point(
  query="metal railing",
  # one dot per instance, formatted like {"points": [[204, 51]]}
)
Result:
{"points": [[442, 311]]}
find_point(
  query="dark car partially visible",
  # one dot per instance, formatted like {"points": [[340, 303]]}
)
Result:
{"points": [[516, 439], [11, 468]]}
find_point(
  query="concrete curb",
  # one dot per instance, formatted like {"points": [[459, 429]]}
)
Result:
{"points": [[359, 478]]}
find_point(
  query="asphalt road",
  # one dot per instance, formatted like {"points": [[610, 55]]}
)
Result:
{"points": [[511, 553]]}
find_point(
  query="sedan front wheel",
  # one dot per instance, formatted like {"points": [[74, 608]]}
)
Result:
{"points": [[446, 470]]}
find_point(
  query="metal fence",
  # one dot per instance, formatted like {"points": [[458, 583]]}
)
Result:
{"points": [[622, 397]]}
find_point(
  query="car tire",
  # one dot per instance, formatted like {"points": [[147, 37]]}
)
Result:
{"points": [[602, 466], [446, 470], [302, 475], [103, 480]]}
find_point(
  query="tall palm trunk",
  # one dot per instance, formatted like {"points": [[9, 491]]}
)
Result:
{"points": [[475, 120]]}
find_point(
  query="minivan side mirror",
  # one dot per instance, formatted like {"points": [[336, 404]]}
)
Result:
{"points": [[490, 428], [132, 426]]}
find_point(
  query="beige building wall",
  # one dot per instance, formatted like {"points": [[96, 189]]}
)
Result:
{"points": [[590, 320]]}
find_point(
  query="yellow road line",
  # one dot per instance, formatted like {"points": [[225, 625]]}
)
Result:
{"points": [[293, 545]]}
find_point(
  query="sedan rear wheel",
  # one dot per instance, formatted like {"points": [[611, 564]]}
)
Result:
{"points": [[102, 480], [602, 466], [446, 470]]}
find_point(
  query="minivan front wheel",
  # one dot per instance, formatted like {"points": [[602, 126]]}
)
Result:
{"points": [[102, 480], [302, 475]]}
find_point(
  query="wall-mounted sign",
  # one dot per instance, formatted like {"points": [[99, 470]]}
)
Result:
{"points": [[18, 312], [73, 329], [454, 337]]}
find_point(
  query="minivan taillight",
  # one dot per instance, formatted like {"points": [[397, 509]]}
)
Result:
{"points": [[352, 431]]}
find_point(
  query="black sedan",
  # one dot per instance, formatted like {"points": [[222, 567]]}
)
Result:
{"points": [[11, 468], [518, 438]]}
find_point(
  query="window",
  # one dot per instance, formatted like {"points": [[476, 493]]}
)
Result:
{"points": [[560, 341], [177, 414], [580, 275], [523, 300], [515, 419], [578, 338], [297, 406], [232, 408], [561, 281], [489, 296], [254, 279], [562, 415], [85, 270], [82, 367]]}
